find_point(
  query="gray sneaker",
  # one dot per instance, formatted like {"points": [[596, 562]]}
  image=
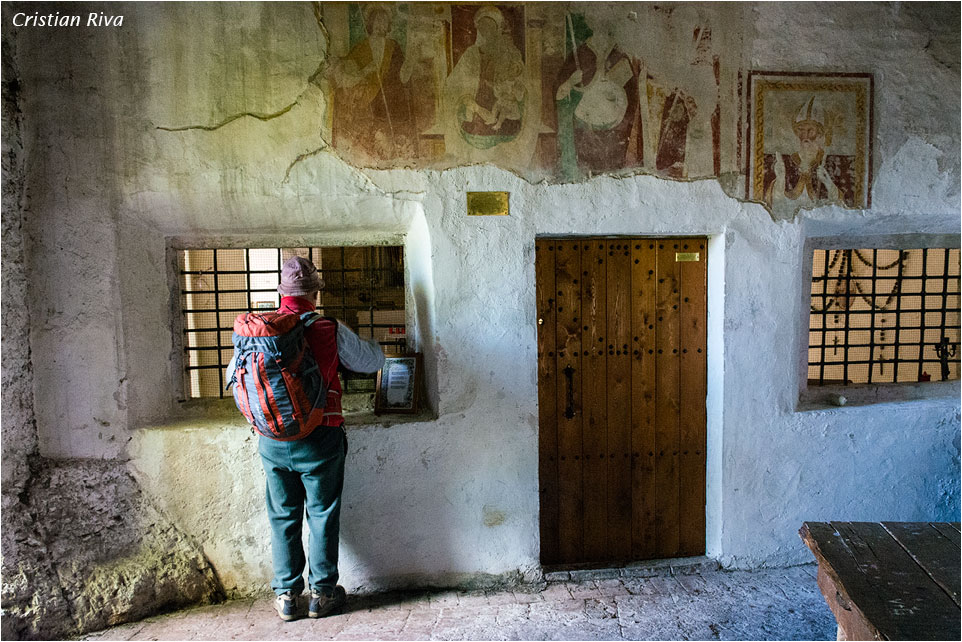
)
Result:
{"points": [[323, 605], [286, 605]]}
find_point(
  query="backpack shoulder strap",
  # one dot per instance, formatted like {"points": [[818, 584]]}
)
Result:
{"points": [[311, 317]]}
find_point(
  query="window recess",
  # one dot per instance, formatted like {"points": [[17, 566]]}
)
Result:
{"points": [[883, 316], [364, 288]]}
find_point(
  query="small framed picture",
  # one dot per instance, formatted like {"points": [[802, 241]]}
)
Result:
{"points": [[810, 136], [398, 385]]}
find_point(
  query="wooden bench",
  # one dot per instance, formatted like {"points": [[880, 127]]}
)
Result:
{"points": [[889, 580]]}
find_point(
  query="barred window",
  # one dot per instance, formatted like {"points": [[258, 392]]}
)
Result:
{"points": [[364, 288], [884, 316]]}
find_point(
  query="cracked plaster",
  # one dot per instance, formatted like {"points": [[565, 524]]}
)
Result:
{"points": [[108, 190]]}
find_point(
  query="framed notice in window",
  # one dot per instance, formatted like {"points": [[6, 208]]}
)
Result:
{"points": [[398, 385]]}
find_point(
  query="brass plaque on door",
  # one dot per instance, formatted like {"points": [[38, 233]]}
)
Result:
{"points": [[686, 256]]}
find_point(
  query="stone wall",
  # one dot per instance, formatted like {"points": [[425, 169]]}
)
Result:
{"points": [[83, 547], [109, 179], [20, 432]]}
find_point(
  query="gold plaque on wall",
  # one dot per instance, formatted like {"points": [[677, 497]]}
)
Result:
{"points": [[488, 204]]}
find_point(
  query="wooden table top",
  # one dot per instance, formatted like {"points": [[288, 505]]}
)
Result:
{"points": [[889, 580]]}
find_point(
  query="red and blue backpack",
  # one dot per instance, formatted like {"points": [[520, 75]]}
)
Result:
{"points": [[277, 384]]}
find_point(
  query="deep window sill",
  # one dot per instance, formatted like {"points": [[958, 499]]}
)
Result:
{"points": [[358, 409], [827, 397]]}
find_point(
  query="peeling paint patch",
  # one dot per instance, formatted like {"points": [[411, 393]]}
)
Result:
{"points": [[492, 517]]}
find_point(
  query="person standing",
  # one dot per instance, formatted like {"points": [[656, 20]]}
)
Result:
{"points": [[308, 473]]}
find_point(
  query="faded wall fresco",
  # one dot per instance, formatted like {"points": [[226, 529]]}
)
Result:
{"points": [[810, 139], [551, 91]]}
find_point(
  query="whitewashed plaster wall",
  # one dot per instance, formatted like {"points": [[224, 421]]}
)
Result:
{"points": [[455, 497]]}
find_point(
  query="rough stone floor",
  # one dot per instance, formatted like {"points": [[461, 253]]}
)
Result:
{"points": [[685, 604]]}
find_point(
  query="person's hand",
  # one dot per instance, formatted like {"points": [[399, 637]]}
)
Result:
{"points": [[823, 176], [344, 73], [471, 108], [834, 193], [568, 85]]}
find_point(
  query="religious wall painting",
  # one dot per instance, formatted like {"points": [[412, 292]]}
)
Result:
{"points": [[485, 93], [671, 114], [558, 92], [810, 140], [685, 106], [597, 100], [654, 103], [382, 93], [427, 46]]}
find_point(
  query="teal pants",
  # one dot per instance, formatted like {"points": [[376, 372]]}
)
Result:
{"points": [[305, 474]]}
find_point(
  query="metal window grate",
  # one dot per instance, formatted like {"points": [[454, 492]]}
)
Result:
{"points": [[884, 316], [364, 288]]}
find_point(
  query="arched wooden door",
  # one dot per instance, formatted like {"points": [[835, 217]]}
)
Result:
{"points": [[621, 395]]}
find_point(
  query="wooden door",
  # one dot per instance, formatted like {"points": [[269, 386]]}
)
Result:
{"points": [[621, 396]]}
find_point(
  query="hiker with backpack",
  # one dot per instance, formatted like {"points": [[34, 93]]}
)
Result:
{"points": [[284, 380]]}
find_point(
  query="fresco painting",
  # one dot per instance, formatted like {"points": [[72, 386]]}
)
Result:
{"points": [[485, 92], [562, 92], [597, 101], [372, 91], [689, 133], [810, 140]]}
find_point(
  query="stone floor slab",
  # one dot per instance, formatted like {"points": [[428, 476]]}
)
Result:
{"points": [[700, 604]]}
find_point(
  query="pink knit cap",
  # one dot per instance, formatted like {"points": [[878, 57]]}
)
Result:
{"points": [[299, 277]]}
